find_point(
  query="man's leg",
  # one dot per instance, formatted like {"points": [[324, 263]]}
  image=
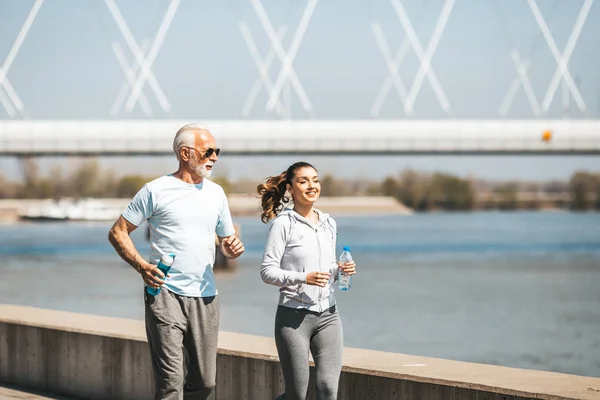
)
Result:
{"points": [[327, 347], [165, 324], [200, 341]]}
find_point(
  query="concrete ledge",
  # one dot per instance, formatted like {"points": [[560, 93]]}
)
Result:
{"points": [[13, 393], [92, 357]]}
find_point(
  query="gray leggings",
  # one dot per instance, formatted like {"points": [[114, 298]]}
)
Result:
{"points": [[296, 332]]}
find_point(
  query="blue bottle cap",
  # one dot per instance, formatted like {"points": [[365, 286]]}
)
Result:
{"points": [[346, 248]]}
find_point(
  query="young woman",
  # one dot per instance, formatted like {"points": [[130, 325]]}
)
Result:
{"points": [[300, 258]]}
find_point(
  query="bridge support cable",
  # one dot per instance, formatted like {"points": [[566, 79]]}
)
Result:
{"points": [[141, 73], [287, 75], [9, 98], [562, 59], [263, 67]]}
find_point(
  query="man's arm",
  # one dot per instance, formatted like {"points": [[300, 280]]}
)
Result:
{"points": [[231, 246], [119, 237]]}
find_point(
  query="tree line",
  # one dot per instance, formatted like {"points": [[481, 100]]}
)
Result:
{"points": [[418, 190], [441, 191], [87, 180]]}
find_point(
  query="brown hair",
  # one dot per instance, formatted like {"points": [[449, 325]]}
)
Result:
{"points": [[273, 191]]}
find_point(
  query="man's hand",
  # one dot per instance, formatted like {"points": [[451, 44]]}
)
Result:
{"points": [[232, 246], [317, 278], [148, 272]]}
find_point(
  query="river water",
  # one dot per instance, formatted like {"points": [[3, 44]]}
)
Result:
{"points": [[519, 289]]}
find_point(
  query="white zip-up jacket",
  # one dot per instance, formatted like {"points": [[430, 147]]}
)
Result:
{"points": [[294, 248]]}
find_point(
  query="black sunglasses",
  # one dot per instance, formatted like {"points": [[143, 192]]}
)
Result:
{"points": [[209, 152]]}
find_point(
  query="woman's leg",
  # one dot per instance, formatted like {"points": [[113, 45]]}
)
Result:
{"points": [[293, 329], [326, 348]]}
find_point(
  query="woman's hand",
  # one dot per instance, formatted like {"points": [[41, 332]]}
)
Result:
{"points": [[317, 278], [348, 267]]}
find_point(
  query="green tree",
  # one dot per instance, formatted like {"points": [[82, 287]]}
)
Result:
{"points": [[582, 185], [109, 184], [58, 182], [389, 187], [86, 181], [129, 185], [508, 197], [28, 189], [451, 192], [331, 187], [375, 189], [35, 186], [45, 189], [8, 189], [411, 189], [224, 182]]}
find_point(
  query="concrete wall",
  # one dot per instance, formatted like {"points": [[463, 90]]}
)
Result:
{"points": [[91, 357]]}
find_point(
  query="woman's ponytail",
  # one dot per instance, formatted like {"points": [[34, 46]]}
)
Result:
{"points": [[273, 196]]}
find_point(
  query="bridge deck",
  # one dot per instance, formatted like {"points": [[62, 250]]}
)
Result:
{"points": [[359, 137]]}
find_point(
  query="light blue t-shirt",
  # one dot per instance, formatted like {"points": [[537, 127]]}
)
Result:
{"points": [[183, 219]]}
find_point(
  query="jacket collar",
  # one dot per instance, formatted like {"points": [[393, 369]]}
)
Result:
{"points": [[322, 216]]}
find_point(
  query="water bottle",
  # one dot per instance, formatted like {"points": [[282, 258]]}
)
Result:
{"points": [[165, 263], [344, 280]]}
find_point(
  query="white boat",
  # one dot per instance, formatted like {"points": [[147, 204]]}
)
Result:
{"points": [[67, 209]]}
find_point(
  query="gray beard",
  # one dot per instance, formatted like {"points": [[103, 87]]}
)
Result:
{"points": [[202, 171]]}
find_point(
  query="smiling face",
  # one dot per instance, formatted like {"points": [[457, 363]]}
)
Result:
{"points": [[305, 187]]}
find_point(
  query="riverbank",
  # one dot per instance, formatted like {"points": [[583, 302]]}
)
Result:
{"points": [[241, 205]]}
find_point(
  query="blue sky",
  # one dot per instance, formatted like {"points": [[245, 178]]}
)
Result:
{"points": [[66, 68]]}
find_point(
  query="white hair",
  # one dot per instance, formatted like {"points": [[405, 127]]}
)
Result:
{"points": [[186, 137]]}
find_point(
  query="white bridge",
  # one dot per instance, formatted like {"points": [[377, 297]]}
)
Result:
{"points": [[251, 137], [280, 77]]}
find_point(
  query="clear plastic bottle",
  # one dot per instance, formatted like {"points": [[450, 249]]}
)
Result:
{"points": [[344, 280], [165, 264]]}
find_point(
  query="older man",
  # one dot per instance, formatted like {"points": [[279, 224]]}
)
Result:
{"points": [[183, 211]]}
